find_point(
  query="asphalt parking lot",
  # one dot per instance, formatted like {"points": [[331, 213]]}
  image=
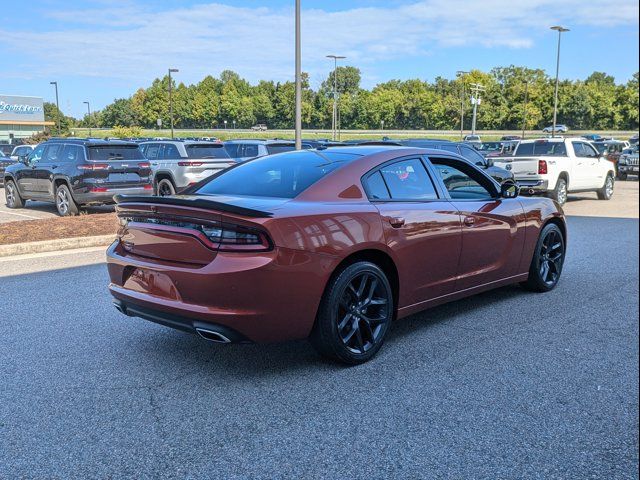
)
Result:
{"points": [[507, 384]]}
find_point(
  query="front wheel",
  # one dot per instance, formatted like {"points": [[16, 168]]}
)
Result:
{"points": [[548, 260], [354, 315], [606, 192], [12, 195], [622, 176]]}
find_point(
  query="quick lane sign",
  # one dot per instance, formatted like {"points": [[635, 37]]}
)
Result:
{"points": [[21, 108]]}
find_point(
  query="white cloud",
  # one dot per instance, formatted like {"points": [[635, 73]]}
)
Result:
{"points": [[125, 41]]}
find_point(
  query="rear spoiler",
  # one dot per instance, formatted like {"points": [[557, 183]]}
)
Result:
{"points": [[199, 202]]}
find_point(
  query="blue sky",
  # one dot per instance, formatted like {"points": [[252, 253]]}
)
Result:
{"points": [[99, 50]]}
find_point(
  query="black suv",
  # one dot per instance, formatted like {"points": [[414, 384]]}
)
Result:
{"points": [[464, 149], [76, 172]]}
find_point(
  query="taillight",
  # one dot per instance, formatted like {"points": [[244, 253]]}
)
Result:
{"points": [[190, 164], [148, 187], [98, 189], [236, 238], [542, 167], [93, 166], [144, 165]]}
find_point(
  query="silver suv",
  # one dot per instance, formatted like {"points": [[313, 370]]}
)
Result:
{"points": [[176, 164]]}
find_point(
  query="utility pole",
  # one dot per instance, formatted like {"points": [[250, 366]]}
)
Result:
{"points": [[560, 31], [298, 80], [461, 74], [171, 70], [57, 106], [524, 109], [334, 119], [476, 90], [88, 116]]}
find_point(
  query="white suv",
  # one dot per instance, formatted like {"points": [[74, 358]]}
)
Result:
{"points": [[177, 164]]}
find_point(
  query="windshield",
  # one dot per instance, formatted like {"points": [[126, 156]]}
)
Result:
{"points": [[206, 151], [280, 176], [543, 148], [490, 146], [115, 152]]}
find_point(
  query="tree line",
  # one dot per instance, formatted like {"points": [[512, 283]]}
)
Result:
{"points": [[596, 103]]}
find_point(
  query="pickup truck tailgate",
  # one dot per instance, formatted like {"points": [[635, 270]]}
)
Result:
{"points": [[521, 167]]}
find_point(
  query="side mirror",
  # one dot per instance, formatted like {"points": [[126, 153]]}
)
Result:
{"points": [[23, 159], [509, 189]]}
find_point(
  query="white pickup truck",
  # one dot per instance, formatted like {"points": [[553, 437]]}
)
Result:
{"points": [[558, 166]]}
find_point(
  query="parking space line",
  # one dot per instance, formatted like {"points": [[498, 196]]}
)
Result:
{"points": [[22, 215]]}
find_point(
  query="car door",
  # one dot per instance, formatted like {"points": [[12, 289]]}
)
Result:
{"points": [[26, 177], [493, 228], [47, 167], [597, 166], [420, 226], [583, 171]]}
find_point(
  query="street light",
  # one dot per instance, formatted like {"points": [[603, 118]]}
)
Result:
{"points": [[298, 80], [477, 90], [334, 120], [171, 70], [560, 31], [524, 109], [225, 124], [461, 73], [234, 124], [57, 106], [88, 116]]}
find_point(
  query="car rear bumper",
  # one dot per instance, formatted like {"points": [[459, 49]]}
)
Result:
{"points": [[84, 196], [260, 297], [533, 186], [629, 169]]}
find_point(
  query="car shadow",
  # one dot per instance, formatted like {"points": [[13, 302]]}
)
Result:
{"points": [[46, 207]]}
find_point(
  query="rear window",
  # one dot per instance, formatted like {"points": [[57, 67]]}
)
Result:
{"points": [[206, 151], [232, 149], [115, 152], [280, 176], [549, 149], [285, 147]]}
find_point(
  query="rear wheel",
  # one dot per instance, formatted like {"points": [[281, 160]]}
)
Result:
{"points": [[12, 196], [165, 188], [560, 193], [65, 204], [606, 192], [548, 260], [354, 314]]}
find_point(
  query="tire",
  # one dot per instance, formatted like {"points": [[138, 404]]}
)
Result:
{"points": [[165, 188], [622, 176], [354, 317], [560, 193], [12, 195], [606, 192], [65, 204], [548, 260]]}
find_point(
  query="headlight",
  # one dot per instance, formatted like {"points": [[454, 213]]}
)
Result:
{"points": [[623, 160]]}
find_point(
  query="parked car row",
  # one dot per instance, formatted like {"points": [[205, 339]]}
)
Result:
{"points": [[77, 172]]}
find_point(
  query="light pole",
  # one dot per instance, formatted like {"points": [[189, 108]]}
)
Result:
{"points": [[334, 121], [524, 109], [461, 73], [298, 42], [560, 31], [171, 70], [234, 124], [477, 90], [57, 106], [382, 125], [225, 124], [88, 116]]}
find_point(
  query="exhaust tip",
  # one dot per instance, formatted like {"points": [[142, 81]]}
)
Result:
{"points": [[212, 336]]}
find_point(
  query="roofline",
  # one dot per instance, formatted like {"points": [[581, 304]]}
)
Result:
{"points": [[26, 122]]}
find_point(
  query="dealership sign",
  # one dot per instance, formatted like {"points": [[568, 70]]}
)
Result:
{"points": [[21, 108]]}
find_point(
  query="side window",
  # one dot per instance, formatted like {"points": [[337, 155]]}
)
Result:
{"points": [[250, 150], [36, 154], [408, 180], [578, 148], [72, 153], [376, 187], [590, 151], [53, 152], [151, 151], [462, 181], [170, 152], [473, 156]]}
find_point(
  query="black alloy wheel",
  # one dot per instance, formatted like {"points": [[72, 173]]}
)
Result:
{"points": [[548, 260]]}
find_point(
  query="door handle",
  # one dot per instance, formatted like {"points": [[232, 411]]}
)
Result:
{"points": [[396, 222], [469, 221]]}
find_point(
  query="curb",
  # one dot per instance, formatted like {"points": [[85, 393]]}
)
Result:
{"points": [[55, 245]]}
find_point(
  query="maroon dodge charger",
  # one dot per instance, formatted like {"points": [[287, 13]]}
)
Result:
{"points": [[329, 244]]}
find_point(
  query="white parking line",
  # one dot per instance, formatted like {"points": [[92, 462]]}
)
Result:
{"points": [[22, 215]]}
